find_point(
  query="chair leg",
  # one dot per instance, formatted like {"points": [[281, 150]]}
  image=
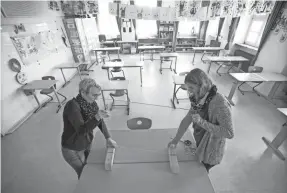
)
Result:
{"points": [[255, 87], [112, 74], [175, 95], [112, 103], [65, 98], [241, 91], [170, 65], [123, 73], [217, 71], [230, 68]]}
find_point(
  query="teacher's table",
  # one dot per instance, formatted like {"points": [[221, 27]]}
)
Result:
{"points": [[121, 64], [141, 165]]}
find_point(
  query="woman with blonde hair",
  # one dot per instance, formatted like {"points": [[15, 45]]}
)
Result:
{"points": [[210, 114], [81, 116]]}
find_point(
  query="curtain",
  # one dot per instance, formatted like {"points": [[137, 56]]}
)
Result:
{"points": [[269, 26], [202, 30], [232, 29], [221, 21], [132, 2], [159, 4], [175, 36], [118, 19]]}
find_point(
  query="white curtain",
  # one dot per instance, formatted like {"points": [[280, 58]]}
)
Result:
{"points": [[107, 22], [146, 28]]}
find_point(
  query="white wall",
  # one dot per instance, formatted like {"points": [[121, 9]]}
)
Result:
{"points": [[16, 105]]}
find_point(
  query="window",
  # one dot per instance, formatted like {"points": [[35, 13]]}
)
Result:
{"points": [[187, 28], [146, 28], [107, 22], [212, 28], [255, 30]]}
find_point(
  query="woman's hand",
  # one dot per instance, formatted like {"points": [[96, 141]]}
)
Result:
{"points": [[196, 118], [111, 143], [173, 143], [104, 114]]}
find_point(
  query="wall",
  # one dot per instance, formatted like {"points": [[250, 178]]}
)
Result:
{"points": [[15, 105], [272, 58]]}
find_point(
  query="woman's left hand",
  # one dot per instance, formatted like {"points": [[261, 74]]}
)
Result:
{"points": [[111, 143], [196, 118], [104, 113]]}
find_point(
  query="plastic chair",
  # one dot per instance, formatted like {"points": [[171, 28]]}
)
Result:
{"points": [[139, 123], [117, 69], [120, 93], [181, 86], [50, 90], [252, 69]]}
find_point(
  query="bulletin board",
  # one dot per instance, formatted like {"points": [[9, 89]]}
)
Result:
{"points": [[34, 47]]}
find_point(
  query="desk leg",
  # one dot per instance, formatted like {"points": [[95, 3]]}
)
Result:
{"points": [[79, 72], [160, 68], [141, 76], [173, 96], [118, 54], [209, 67], [37, 100], [97, 58], [66, 82], [108, 73], [175, 65], [232, 91], [104, 100], [60, 104], [277, 142], [193, 57]]}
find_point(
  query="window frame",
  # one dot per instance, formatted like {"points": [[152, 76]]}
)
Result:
{"points": [[262, 18]]}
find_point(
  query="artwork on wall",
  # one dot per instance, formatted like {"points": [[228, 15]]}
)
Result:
{"points": [[54, 5], [280, 26], [122, 8], [239, 8], [19, 28], [181, 8], [214, 9], [80, 9], [15, 66], [227, 8]]}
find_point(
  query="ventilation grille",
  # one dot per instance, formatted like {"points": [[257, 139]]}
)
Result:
{"points": [[24, 8]]}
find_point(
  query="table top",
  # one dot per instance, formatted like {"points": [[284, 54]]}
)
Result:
{"points": [[122, 64], [283, 110], [263, 76], [132, 41], [150, 47], [107, 49], [143, 178], [114, 85], [142, 146], [226, 58], [207, 48], [171, 54], [69, 65], [178, 79], [108, 42], [39, 84]]}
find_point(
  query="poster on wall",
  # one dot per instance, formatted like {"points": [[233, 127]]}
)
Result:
{"points": [[79, 9], [155, 13], [131, 12], [122, 12], [227, 8], [54, 5], [147, 13], [260, 7], [214, 9], [181, 9], [113, 8], [280, 26], [239, 8], [193, 12], [164, 14], [139, 12], [92, 7]]}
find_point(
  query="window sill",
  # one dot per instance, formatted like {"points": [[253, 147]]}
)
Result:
{"points": [[250, 49]]}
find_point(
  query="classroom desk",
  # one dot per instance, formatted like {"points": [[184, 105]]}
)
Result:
{"points": [[142, 49], [70, 66], [279, 139], [254, 77], [141, 163], [226, 59], [113, 86], [177, 80], [121, 64], [96, 50], [40, 85], [210, 49], [168, 55]]}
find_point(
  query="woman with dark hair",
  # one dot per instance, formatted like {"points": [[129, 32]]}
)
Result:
{"points": [[210, 114]]}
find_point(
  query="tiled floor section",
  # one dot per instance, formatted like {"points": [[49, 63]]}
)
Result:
{"points": [[32, 160]]}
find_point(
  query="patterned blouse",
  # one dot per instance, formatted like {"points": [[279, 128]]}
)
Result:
{"points": [[218, 127]]}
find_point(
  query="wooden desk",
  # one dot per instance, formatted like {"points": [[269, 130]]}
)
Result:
{"points": [[106, 50], [113, 86], [70, 66], [279, 139], [211, 49], [226, 59], [121, 64], [254, 77], [141, 165], [142, 50], [177, 80], [39, 85], [168, 55]]}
